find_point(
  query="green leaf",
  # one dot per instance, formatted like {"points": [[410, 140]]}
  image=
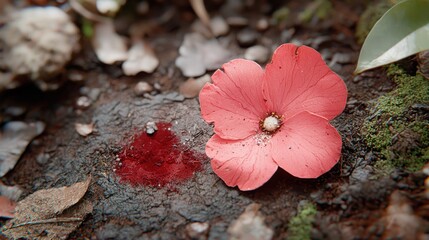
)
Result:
{"points": [[401, 32]]}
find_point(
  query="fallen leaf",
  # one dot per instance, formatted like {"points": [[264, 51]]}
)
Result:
{"points": [[192, 87], [50, 213], [7, 207], [198, 54], [108, 45], [141, 58], [84, 129], [407, 26], [14, 138], [250, 225]]}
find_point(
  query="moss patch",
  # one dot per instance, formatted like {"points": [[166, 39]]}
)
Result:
{"points": [[395, 129], [300, 226]]}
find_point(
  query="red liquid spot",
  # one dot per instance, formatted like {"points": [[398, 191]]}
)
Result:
{"points": [[157, 159]]}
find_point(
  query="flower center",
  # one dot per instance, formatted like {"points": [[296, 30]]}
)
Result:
{"points": [[271, 123]]}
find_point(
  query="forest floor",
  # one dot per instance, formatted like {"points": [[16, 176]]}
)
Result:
{"points": [[355, 200]]}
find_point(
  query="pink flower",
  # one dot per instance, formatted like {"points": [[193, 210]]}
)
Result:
{"points": [[273, 118]]}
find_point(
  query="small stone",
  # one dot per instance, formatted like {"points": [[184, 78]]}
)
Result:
{"points": [[197, 230], [250, 225], [219, 26], [84, 129], [142, 87], [15, 111], [247, 37], [151, 128], [83, 102], [192, 87], [262, 24], [157, 86], [237, 21], [42, 158], [257, 53], [94, 93], [75, 76]]}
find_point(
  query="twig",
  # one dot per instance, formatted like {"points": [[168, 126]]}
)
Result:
{"points": [[51, 220]]}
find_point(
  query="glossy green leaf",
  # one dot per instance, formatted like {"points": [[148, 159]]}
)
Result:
{"points": [[401, 32]]}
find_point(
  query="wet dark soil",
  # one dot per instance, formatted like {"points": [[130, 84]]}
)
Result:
{"points": [[349, 198]]}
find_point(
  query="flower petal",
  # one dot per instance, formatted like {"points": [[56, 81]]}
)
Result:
{"points": [[306, 146], [234, 102], [241, 163], [297, 79]]}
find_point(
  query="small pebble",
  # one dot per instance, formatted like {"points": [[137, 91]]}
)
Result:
{"points": [[42, 158], [262, 24], [15, 111], [247, 37], [197, 230], [257, 53], [219, 26], [151, 128], [142, 87], [83, 102]]}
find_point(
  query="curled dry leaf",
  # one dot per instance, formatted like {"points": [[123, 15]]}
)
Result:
{"points": [[14, 138], [50, 213], [250, 225], [192, 87], [198, 54], [37, 43], [141, 58], [108, 45], [7, 207], [84, 129]]}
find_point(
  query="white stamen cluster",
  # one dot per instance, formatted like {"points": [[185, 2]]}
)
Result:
{"points": [[271, 124]]}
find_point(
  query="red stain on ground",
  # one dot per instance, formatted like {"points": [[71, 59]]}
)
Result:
{"points": [[157, 159]]}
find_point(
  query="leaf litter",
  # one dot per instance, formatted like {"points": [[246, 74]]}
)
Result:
{"points": [[14, 138], [50, 213], [199, 54]]}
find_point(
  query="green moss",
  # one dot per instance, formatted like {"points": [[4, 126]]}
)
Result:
{"points": [[300, 226], [401, 139]]}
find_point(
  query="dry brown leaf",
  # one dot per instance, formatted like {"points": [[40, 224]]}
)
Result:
{"points": [[50, 213], [84, 129], [141, 58], [192, 87], [7, 207], [108, 45], [14, 138], [250, 225]]}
